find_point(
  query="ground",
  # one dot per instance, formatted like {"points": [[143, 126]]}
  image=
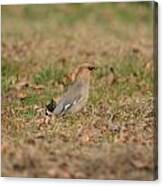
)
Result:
{"points": [[114, 136]]}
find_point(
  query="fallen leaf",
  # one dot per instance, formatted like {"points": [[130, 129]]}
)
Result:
{"points": [[21, 85], [38, 87], [52, 172], [21, 95]]}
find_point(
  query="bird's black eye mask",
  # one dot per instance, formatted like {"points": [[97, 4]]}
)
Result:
{"points": [[91, 68]]}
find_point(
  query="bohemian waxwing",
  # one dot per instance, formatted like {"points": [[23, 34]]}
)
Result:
{"points": [[77, 94]]}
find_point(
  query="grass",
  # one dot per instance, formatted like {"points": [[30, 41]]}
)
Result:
{"points": [[9, 75], [42, 46], [48, 74]]}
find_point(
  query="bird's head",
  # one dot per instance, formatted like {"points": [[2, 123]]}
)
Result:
{"points": [[83, 71], [87, 66]]}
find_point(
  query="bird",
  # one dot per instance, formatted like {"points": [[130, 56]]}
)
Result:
{"points": [[77, 94]]}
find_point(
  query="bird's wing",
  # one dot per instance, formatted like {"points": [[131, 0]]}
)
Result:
{"points": [[66, 104], [70, 98]]}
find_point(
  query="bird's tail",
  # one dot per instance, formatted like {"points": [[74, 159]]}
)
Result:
{"points": [[50, 107]]}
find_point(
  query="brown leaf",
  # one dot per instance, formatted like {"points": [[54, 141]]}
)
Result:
{"points": [[72, 75], [148, 66], [21, 95], [52, 172], [38, 87], [21, 85]]}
